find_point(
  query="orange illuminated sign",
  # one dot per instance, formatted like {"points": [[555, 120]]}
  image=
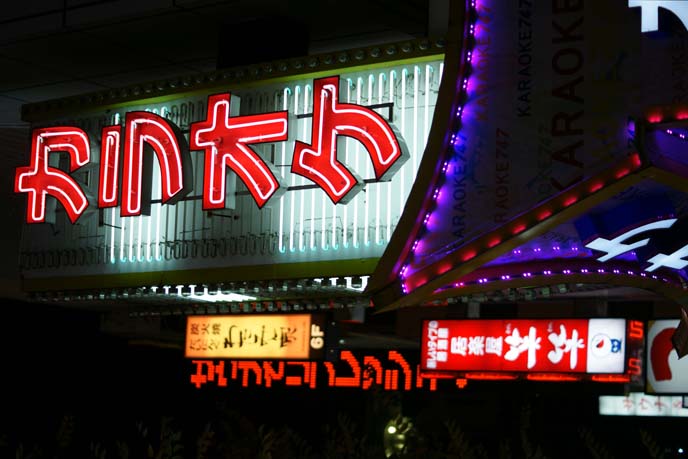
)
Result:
{"points": [[286, 336]]}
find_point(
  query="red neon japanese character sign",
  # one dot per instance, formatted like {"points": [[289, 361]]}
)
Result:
{"points": [[225, 141], [145, 130], [41, 180], [318, 161], [109, 167], [126, 156]]}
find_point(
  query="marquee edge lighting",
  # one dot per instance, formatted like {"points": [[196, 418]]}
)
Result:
{"points": [[414, 50], [519, 224], [461, 95], [467, 257], [553, 272]]}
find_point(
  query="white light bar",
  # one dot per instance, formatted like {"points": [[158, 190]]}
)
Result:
{"points": [[641, 404]]}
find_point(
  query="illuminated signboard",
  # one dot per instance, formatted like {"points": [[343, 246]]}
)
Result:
{"points": [[666, 373], [615, 247], [287, 336], [640, 404], [225, 142], [313, 169], [635, 350], [556, 345]]}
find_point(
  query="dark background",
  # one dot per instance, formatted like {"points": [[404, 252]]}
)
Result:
{"points": [[70, 390]]}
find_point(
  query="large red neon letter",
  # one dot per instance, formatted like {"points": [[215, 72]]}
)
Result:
{"points": [[40, 180], [145, 130], [318, 161], [109, 167], [225, 141]]}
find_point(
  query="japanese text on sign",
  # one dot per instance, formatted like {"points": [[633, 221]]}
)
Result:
{"points": [[615, 247], [580, 346], [258, 336]]}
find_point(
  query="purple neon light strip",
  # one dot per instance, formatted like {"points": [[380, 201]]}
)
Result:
{"points": [[678, 134], [548, 272], [462, 96]]}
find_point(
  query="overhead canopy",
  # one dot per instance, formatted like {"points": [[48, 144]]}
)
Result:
{"points": [[560, 136]]}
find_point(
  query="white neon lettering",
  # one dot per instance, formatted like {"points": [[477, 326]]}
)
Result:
{"points": [[673, 260], [615, 247]]}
